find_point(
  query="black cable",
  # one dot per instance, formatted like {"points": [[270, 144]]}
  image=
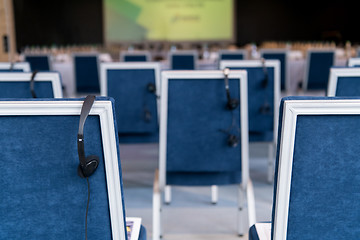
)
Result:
{"points": [[232, 126], [87, 207], [265, 108]]}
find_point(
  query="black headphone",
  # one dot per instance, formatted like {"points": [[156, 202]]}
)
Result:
{"points": [[89, 164], [265, 108], [32, 90], [232, 104], [265, 81], [151, 88]]}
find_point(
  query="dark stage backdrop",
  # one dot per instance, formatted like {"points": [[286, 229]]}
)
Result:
{"points": [[60, 22], [304, 20], [64, 22]]}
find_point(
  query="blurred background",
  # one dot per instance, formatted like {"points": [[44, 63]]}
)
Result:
{"points": [[157, 25]]}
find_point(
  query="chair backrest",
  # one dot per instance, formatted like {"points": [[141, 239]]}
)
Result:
{"points": [[344, 82], [39, 62], [86, 72], [354, 62], [42, 196], [282, 56], [14, 67], [263, 96], [238, 54], [183, 60], [136, 105], [17, 85], [317, 169], [317, 68], [195, 125], [135, 56]]}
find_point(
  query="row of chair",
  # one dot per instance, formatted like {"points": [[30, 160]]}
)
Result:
{"points": [[208, 123], [206, 160], [130, 84], [139, 121], [315, 77]]}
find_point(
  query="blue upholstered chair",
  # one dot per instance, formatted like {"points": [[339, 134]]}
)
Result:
{"points": [[238, 54], [263, 94], [86, 72], [317, 69], [131, 85], [17, 85], [195, 127], [39, 62], [344, 82], [42, 196], [183, 60], [135, 56], [282, 56], [14, 67], [354, 62], [316, 192]]}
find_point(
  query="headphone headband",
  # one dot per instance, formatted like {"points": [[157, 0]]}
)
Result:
{"points": [[266, 74], [33, 94], [85, 110], [232, 103]]}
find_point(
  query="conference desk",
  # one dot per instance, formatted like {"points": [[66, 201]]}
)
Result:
{"points": [[296, 68]]}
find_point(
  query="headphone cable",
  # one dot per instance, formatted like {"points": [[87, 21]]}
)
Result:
{"points": [[87, 207], [232, 126]]}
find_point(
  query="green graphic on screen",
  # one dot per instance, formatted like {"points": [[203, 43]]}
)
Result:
{"points": [[168, 20]]}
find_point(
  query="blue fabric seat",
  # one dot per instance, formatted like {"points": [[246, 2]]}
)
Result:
{"points": [[354, 62], [344, 82], [233, 54], [39, 62], [17, 85], [317, 70], [183, 60], [14, 67], [86, 73], [42, 196], [316, 188], [135, 56], [11, 70], [281, 55], [262, 98], [194, 130], [136, 106]]}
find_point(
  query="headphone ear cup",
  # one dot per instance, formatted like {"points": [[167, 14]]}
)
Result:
{"points": [[91, 164], [232, 103], [147, 115], [151, 87], [233, 140], [264, 82], [265, 108]]}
